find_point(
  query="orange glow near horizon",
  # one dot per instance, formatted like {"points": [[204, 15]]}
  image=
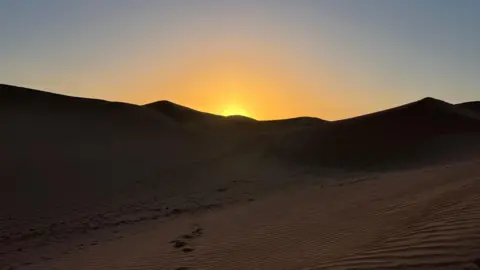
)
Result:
{"points": [[263, 87], [235, 110], [235, 85], [261, 79]]}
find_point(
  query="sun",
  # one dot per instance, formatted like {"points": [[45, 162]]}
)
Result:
{"points": [[235, 110]]}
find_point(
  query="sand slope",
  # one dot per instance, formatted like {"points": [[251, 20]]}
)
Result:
{"points": [[92, 184], [473, 106], [425, 219], [410, 134], [181, 113], [61, 156]]}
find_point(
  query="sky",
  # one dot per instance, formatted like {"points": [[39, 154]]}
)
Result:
{"points": [[267, 59]]}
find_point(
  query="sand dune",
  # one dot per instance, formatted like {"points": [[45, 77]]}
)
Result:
{"points": [[181, 113], [394, 221], [412, 119], [426, 131], [92, 184], [473, 106], [73, 111], [61, 156], [234, 123]]}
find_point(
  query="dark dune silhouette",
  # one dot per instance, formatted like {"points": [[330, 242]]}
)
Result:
{"points": [[187, 115], [181, 113], [292, 123], [19, 100], [74, 171], [240, 118], [394, 132], [472, 105], [65, 126], [197, 119], [426, 117], [403, 133], [62, 149]]}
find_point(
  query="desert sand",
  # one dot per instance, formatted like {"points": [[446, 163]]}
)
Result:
{"points": [[92, 184]]}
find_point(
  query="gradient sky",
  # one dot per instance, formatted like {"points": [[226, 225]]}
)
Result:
{"points": [[273, 59]]}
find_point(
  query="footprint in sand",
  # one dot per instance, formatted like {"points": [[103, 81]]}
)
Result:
{"points": [[197, 232], [178, 243], [187, 236]]}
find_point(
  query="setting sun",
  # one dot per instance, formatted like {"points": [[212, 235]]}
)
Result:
{"points": [[235, 110]]}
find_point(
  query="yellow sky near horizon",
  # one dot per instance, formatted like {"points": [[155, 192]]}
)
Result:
{"points": [[257, 84]]}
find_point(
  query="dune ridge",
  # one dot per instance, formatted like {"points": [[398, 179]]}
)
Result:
{"points": [[402, 134], [472, 105]]}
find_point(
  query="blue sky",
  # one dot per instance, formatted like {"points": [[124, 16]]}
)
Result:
{"points": [[342, 58]]}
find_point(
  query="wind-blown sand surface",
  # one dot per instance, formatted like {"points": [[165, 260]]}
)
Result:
{"points": [[426, 219], [89, 184]]}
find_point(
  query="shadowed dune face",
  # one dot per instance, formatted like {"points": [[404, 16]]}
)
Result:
{"points": [[425, 130], [420, 129], [425, 117], [53, 107], [182, 114], [57, 150], [473, 106], [40, 125]]}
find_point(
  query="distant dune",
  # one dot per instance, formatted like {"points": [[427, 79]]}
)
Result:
{"points": [[473, 106], [93, 184], [412, 133], [181, 113], [215, 122], [196, 119], [33, 116], [39, 125], [423, 117]]}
